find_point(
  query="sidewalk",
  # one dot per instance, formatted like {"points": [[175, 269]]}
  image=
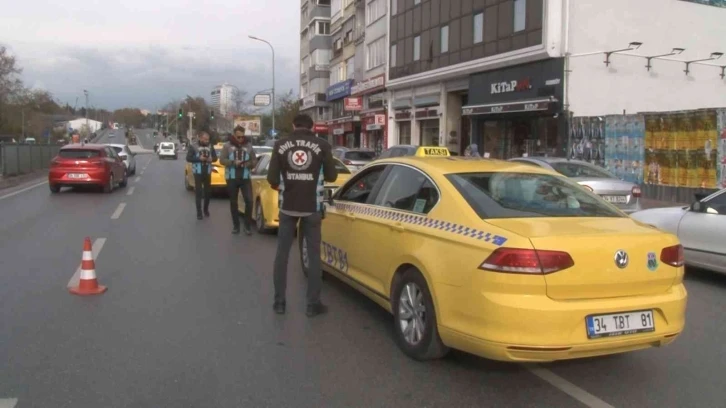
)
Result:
{"points": [[30, 178]]}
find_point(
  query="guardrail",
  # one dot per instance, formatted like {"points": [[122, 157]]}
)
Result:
{"points": [[18, 159]]}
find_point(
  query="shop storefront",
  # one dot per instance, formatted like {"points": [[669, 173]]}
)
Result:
{"points": [[418, 116], [517, 111], [344, 128], [374, 129]]}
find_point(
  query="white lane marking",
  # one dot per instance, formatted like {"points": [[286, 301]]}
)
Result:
{"points": [[137, 179], [22, 191], [131, 190], [117, 214], [567, 387], [8, 402], [97, 247]]}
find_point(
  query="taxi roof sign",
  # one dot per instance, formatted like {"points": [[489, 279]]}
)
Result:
{"points": [[432, 151]]}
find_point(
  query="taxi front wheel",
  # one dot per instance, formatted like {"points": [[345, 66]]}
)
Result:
{"points": [[415, 325]]}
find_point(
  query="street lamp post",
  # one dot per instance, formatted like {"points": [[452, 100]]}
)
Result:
{"points": [[273, 80]]}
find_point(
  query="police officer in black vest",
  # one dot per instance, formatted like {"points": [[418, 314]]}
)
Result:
{"points": [[300, 164]]}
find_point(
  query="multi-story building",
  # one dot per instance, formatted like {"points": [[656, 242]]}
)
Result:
{"points": [[315, 53], [510, 75], [224, 100], [346, 65], [370, 91]]}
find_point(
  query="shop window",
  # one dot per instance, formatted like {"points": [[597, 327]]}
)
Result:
{"points": [[520, 15], [394, 7], [430, 132], [404, 133], [392, 58], [408, 190], [362, 186], [417, 48], [478, 28]]}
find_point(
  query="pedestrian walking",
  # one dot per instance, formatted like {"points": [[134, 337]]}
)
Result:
{"points": [[239, 158], [299, 167], [201, 156]]}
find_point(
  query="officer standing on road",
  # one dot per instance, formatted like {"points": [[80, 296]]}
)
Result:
{"points": [[239, 158], [201, 156], [299, 166]]}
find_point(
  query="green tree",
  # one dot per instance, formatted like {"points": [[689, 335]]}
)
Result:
{"points": [[288, 106]]}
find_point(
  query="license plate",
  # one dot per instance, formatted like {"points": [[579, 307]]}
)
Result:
{"points": [[77, 175], [616, 199], [619, 324]]}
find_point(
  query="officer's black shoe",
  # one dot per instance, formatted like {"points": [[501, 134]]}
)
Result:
{"points": [[235, 231], [279, 307], [206, 213], [248, 231], [199, 217], [316, 309]]}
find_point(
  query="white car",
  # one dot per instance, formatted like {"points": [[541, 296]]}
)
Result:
{"points": [[701, 227], [126, 155], [167, 150]]}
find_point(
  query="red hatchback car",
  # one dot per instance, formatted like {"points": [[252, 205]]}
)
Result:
{"points": [[87, 165]]}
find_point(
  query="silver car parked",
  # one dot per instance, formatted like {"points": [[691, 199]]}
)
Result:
{"points": [[623, 194], [354, 159], [126, 155], [701, 228]]}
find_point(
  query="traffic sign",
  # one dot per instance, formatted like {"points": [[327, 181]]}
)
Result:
{"points": [[262, 99]]}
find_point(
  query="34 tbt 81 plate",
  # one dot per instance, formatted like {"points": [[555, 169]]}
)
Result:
{"points": [[619, 324]]}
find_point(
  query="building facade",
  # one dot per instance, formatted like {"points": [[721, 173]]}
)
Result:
{"points": [[513, 76], [224, 100], [315, 54], [347, 33]]}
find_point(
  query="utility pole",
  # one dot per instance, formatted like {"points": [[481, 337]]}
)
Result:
{"points": [[191, 117], [88, 128]]}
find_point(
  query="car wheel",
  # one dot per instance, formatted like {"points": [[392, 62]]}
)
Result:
{"points": [[415, 326], [125, 180], [305, 256], [54, 188], [108, 188], [260, 218]]}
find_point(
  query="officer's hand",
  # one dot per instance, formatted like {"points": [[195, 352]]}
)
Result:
{"points": [[237, 162]]}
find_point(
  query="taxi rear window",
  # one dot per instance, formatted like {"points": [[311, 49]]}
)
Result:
{"points": [[527, 195]]}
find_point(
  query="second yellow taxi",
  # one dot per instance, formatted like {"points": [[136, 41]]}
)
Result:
{"points": [[265, 199], [502, 260]]}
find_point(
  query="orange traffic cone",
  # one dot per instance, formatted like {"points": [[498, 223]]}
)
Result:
{"points": [[88, 284]]}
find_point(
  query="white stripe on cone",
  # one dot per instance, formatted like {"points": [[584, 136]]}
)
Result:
{"points": [[89, 274], [87, 256]]}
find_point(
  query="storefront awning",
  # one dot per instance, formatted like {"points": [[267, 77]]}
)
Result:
{"points": [[531, 105]]}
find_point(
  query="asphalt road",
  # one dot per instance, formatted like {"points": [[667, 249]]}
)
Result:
{"points": [[187, 322]]}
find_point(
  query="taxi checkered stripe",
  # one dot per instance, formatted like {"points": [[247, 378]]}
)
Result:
{"points": [[424, 222]]}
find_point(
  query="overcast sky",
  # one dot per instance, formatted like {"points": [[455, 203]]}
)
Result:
{"points": [[143, 53]]}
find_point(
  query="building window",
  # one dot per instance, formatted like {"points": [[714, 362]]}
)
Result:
{"points": [[304, 65], [444, 39], [520, 15], [478, 28], [323, 28], [394, 48], [415, 2], [417, 48], [337, 73], [335, 8], [350, 68], [321, 57], [394, 7], [303, 90], [375, 10], [376, 53], [323, 2]]}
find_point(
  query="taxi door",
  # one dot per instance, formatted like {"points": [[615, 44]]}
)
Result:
{"points": [[384, 225], [338, 244]]}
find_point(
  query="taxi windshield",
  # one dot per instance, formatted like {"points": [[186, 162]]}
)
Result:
{"points": [[528, 195]]}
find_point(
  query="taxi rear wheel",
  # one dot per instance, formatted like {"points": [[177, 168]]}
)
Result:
{"points": [[260, 218], [415, 324], [305, 255]]}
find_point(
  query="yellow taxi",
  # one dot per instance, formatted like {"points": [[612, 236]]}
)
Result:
{"points": [[503, 260], [218, 180], [265, 199]]}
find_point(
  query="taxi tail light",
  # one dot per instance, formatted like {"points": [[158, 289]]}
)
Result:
{"points": [[673, 255], [636, 191], [527, 261]]}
